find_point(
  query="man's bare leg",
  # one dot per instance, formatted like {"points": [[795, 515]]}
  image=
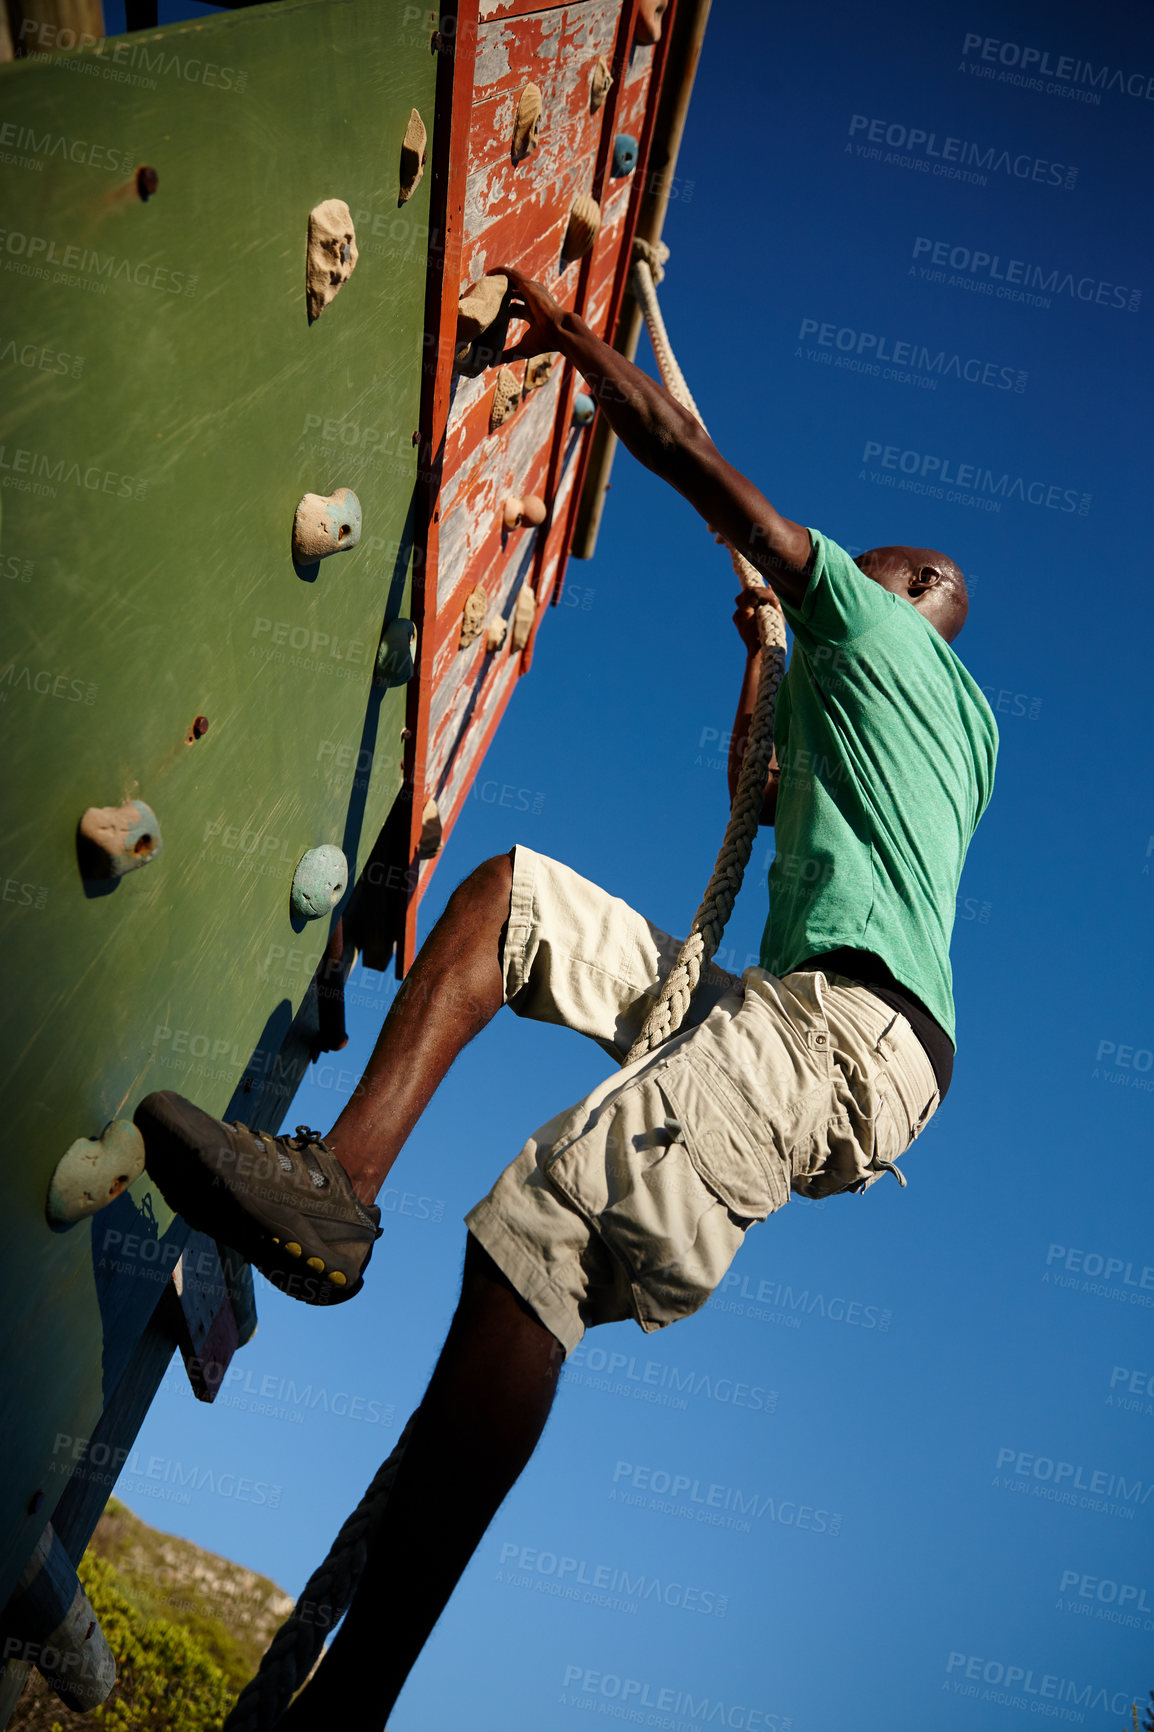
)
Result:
{"points": [[453, 989], [483, 1412]]}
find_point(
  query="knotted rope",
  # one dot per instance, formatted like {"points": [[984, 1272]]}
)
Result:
{"points": [[293, 1652], [668, 1011], [324, 1600]]}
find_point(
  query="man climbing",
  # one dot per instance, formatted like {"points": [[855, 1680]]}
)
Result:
{"points": [[813, 1073]]}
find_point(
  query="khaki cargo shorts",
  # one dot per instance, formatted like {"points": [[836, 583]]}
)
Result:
{"points": [[634, 1202]]}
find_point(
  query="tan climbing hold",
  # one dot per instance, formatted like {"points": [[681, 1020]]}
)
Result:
{"points": [[530, 510], [414, 148], [527, 122], [473, 618], [524, 614], [506, 398], [430, 842], [649, 16], [495, 636], [584, 221], [94, 1171], [331, 257], [478, 315], [538, 372], [599, 84]]}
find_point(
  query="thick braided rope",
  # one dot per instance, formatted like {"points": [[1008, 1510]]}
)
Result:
{"points": [[293, 1651], [668, 1011]]}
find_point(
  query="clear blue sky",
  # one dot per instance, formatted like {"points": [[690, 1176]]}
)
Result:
{"points": [[972, 1372]]}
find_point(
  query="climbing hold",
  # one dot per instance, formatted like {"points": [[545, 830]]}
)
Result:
{"points": [[649, 16], [395, 654], [538, 372], [506, 398], [599, 84], [147, 181], [414, 149], [527, 122], [430, 842], [473, 618], [584, 409], [495, 636], [113, 840], [331, 256], [524, 614], [584, 221], [516, 511], [198, 729], [93, 1171], [481, 326], [624, 154], [326, 523], [319, 881]]}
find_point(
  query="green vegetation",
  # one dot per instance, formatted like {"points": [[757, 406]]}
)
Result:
{"points": [[187, 1629]]}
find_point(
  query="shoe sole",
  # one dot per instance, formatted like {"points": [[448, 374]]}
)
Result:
{"points": [[174, 1133]]}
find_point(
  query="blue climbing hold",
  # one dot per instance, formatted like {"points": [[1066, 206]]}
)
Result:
{"points": [[584, 409], [319, 882], [624, 154]]}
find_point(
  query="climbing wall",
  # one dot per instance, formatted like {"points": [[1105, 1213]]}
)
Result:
{"points": [[514, 435], [167, 404]]}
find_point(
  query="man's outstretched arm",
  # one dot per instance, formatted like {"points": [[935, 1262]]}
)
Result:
{"points": [[666, 438]]}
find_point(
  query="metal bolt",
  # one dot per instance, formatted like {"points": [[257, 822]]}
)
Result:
{"points": [[200, 727], [416, 436], [147, 181], [406, 733], [35, 1501]]}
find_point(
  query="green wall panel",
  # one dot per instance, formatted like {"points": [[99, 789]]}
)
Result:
{"points": [[165, 404]]}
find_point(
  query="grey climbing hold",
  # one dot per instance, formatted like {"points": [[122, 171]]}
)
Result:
{"points": [[413, 152], [114, 840], [319, 881], [331, 255], [93, 1171], [624, 154], [584, 409], [326, 523], [395, 654]]}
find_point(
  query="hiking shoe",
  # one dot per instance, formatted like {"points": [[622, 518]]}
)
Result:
{"points": [[285, 1203]]}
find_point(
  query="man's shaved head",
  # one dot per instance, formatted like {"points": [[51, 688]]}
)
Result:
{"points": [[927, 578]]}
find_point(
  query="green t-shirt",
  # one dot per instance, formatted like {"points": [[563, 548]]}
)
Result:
{"points": [[886, 748]]}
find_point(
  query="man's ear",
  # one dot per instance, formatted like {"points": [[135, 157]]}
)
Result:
{"points": [[927, 577]]}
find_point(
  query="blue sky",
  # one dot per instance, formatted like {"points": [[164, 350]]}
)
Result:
{"points": [[943, 1453]]}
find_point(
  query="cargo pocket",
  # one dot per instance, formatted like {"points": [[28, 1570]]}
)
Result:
{"points": [[737, 1156]]}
